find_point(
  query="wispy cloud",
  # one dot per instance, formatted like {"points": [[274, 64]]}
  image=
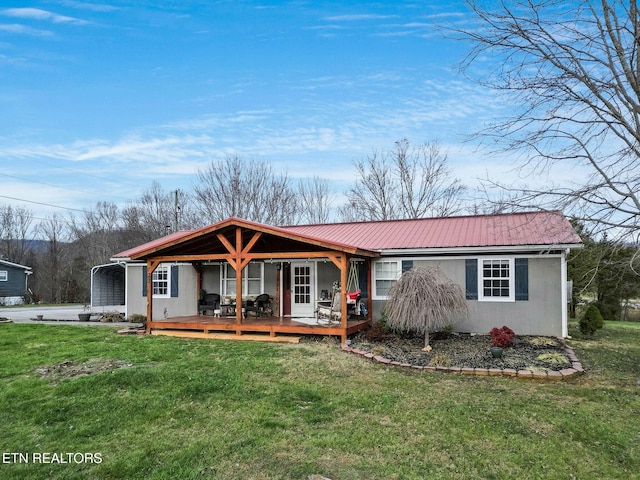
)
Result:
{"points": [[38, 14], [358, 17], [24, 30], [94, 7]]}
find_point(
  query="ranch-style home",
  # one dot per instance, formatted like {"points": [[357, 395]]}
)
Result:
{"points": [[14, 280], [333, 279]]}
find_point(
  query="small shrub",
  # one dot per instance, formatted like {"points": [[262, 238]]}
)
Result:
{"points": [[553, 358], [448, 330], [440, 360], [137, 318], [591, 320], [502, 337], [503, 340], [543, 342]]}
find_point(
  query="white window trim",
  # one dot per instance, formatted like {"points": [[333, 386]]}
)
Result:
{"points": [[245, 279], [153, 281], [4, 275], [374, 277], [512, 285]]}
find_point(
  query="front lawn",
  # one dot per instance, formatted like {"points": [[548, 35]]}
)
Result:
{"points": [[170, 408]]}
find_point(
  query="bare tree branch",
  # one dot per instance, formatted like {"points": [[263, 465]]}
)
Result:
{"points": [[315, 200], [407, 182], [572, 71], [249, 190]]}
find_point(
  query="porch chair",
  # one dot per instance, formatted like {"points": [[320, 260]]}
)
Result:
{"points": [[211, 301], [334, 311], [260, 306]]}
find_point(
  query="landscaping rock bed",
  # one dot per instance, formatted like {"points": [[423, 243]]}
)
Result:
{"points": [[465, 350]]}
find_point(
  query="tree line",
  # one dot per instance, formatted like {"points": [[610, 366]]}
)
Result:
{"points": [[404, 182]]}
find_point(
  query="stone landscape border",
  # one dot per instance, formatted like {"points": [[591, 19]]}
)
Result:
{"points": [[564, 374]]}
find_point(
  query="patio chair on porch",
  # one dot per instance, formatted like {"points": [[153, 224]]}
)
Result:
{"points": [[332, 312], [210, 302], [261, 306]]}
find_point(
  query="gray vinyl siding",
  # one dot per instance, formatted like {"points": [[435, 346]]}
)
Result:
{"points": [[186, 303], [327, 274], [541, 314]]}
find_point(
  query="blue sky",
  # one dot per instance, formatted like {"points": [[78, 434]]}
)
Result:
{"points": [[97, 100]]}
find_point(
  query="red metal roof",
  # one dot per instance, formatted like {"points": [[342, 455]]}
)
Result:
{"points": [[515, 229], [503, 230], [154, 243]]}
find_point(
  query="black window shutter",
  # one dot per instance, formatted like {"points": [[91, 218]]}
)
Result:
{"points": [[144, 281], [471, 281], [407, 265], [522, 278], [174, 280]]}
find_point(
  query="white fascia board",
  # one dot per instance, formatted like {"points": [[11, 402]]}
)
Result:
{"points": [[475, 250], [16, 265]]}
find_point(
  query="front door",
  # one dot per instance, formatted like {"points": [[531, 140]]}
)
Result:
{"points": [[302, 289]]}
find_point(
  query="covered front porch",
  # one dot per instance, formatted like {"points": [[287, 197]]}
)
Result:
{"points": [[237, 260]]}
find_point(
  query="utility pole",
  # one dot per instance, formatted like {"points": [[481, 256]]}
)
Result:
{"points": [[176, 211]]}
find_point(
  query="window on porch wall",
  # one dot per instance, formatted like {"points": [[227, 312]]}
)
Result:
{"points": [[252, 279], [161, 281]]}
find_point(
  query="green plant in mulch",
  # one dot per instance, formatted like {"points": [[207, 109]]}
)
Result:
{"points": [[543, 342], [377, 350], [553, 358], [440, 360]]}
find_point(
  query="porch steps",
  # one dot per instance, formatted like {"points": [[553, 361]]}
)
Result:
{"points": [[248, 337]]}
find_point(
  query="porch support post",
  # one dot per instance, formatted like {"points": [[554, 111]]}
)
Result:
{"points": [[151, 266], [198, 268], [343, 299], [276, 307], [238, 266], [369, 265]]}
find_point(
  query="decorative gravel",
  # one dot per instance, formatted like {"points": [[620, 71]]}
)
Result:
{"points": [[465, 350]]}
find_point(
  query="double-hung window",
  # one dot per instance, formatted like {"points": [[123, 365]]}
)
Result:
{"points": [[495, 280], [385, 274], [4, 275], [164, 281], [160, 281], [252, 279]]}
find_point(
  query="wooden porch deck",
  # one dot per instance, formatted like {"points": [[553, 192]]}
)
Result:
{"points": [[264, 325]]}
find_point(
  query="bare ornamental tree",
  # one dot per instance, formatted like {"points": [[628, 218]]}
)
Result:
{"points": [[572, 73], [423, 299]]}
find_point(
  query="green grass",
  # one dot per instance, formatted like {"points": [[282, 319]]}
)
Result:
{"points": [[190, 409]]}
